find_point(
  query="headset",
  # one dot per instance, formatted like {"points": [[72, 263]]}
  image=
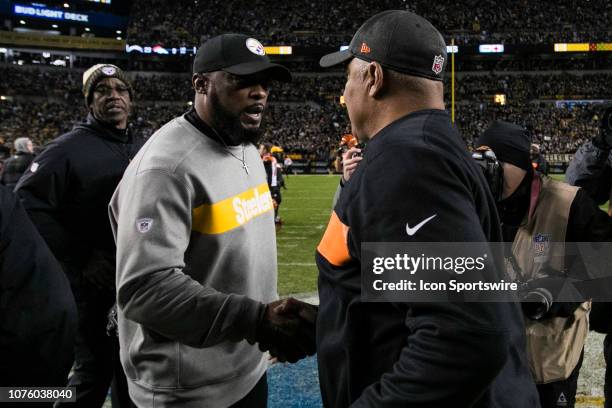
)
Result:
{"points": [[492, 170]]}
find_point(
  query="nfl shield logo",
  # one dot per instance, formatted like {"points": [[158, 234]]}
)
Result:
{"points": [[541, 243], [438, 63], [143, 225]]}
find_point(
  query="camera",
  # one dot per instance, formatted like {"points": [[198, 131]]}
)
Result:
{"points": [[492, 170], [536, 302]]}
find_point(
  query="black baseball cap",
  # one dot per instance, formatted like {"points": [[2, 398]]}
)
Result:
{"points": [[237, 54], [398, 40]]}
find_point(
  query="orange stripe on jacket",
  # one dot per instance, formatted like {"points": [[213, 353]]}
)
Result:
{"points": [[334, 244]]}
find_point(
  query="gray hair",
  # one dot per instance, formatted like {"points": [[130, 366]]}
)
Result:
{"points": [[21, 144]]}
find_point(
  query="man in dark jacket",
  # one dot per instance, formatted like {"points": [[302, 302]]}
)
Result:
{"points": [[591, 169], [37, 311], [66, 192], [416, 183], [537, 214], [16, 165]]}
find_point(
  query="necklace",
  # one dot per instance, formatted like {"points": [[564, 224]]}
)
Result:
{"points": [[245, 166]]}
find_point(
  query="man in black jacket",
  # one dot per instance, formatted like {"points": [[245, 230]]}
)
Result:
{"points": [[15, 166], [591, 169], [66, 192], [37, 311], [415, 183], [538, 211]]}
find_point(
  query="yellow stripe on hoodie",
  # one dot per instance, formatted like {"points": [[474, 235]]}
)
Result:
{"points": [[225, 215]]}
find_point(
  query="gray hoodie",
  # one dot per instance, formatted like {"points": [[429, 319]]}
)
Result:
{"points": [[196, 260]]}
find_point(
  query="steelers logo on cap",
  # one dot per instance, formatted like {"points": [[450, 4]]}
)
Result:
{"points": [[255, 47], [109, 71]]}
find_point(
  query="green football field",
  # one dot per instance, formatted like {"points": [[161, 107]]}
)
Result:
{"points": [[305, 211]]}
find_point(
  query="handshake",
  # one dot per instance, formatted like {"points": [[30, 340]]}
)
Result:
{"points": [[287, 330]]}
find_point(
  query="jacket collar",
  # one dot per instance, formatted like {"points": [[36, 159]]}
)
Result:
{"points": [[103, 130]]}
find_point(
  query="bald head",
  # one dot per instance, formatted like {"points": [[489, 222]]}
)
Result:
{"points": [[376, 96]]}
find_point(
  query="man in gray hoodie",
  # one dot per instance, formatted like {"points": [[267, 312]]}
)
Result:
{"points": [[196, 251]]}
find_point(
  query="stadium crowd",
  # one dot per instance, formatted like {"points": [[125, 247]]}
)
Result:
{"points": [[331, 22], [311, 129], [557, 130], [64, 84], [305, 116]]}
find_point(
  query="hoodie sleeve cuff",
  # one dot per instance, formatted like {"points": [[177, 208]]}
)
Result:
{"points": [[252, 312]]}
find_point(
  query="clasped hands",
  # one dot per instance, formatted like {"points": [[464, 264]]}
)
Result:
{"points": [[287, 330]]}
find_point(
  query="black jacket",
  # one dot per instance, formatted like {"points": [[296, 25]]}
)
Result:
{"points": [[67, 189], [430, 355], [14, 167], [591, 169], [37, 311]]}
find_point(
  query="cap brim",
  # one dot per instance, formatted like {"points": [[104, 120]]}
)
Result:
{"points": [[335, 58], [275, 72]]}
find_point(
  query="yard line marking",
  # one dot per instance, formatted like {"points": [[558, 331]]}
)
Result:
{"points": [[297, 263], [289, 227], [302, 209]]}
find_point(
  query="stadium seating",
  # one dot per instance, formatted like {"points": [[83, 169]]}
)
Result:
{"points": [[332, 22], [305, 117]]}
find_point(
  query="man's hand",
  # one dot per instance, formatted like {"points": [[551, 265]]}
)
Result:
{"points": [[287, 330], [350, 161], [100, 270]]}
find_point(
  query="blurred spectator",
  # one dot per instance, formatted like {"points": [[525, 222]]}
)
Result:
{"points": [[17, 164], [5, 151]]}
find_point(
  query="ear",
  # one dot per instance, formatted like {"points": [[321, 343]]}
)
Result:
{"points": [[199, 83], [375, 79]]}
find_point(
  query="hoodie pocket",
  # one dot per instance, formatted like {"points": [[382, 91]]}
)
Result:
{"points": [[153, 359], [218, 364]]}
